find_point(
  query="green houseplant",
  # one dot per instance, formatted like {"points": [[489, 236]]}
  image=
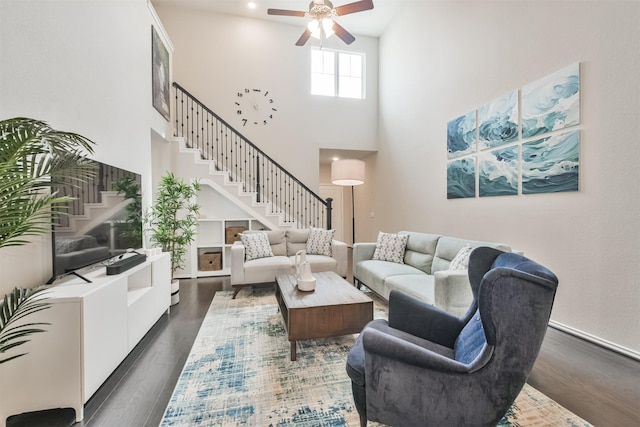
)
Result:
{"points": [[172, 220], [132, 225], [32, 157]]}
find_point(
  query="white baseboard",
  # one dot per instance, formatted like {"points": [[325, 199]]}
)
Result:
{"points": [[595, 340]]}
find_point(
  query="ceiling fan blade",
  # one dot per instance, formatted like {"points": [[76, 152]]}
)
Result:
{"points": [[345, 35], [358, 6], [284, 12], [303, 38]]}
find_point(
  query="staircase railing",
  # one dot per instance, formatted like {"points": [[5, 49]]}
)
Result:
{"points": [[247, 164]]}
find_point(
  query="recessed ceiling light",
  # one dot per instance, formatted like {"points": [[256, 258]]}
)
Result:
{"points": [[251, 5]]}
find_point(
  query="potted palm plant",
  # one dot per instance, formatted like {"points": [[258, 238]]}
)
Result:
{"points": [[32, 157], [172, 220]]}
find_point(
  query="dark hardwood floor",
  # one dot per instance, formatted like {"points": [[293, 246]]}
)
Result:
{"points": [[599, 385]]}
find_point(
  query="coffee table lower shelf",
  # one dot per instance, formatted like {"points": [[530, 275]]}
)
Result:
{"points": [[335, 308]]}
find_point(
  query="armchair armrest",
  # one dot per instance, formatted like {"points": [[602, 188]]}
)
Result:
{"points": [[237, 263], [339, 253], [452, 291], [423, 320], [404, 352]]}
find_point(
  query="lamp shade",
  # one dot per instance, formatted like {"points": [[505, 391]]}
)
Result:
{"points": [[347, 172]]}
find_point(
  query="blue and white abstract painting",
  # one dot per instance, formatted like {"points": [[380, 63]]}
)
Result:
{"points": [[498, 172], [461, 135], [551, 165], [461, 178], [498, 121], [551, 103]]}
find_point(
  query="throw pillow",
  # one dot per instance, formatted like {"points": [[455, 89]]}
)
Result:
{"points": [[256, 245], [461, 260], [390, 247], [319, 241]]}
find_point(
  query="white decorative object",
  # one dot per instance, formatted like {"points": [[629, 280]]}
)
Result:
{"points": [[306, 281]]}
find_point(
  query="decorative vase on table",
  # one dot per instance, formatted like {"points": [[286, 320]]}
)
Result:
{"points": [[306, 281]]}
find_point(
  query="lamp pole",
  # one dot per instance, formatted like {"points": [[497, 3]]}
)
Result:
{"points": [[353, 216]]}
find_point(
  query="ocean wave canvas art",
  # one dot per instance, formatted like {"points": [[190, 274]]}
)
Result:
{"points": [[498, 121], [498, 172], [461, 178], [461, 135], [551, 103], [551, 165]]}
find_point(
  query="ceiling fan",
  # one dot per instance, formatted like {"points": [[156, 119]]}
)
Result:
{"points": [[322, 14]]}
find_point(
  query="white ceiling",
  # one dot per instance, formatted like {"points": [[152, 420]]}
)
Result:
{"points": [[368, 23]]}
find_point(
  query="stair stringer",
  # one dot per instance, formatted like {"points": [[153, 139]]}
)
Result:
{"points": [[190, 166]]}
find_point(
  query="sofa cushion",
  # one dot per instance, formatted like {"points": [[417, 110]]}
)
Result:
{"points": [[420, 250], [372, 272], [448, 248], [390, 247], [461, 260], [420, 286], [276, 240], [297, 240], [319, 242], [318, 263], [266, 269], [256, 245]]}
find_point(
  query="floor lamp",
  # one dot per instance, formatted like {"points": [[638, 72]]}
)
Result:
{"points": [[348, 172]]}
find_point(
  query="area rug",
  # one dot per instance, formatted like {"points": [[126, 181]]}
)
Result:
{"points": [[239, 373]]}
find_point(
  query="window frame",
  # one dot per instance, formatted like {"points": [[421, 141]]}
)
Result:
{"points": [[336, 72]]}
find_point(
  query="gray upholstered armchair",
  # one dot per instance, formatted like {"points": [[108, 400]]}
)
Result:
{"points": [[426, 367]]}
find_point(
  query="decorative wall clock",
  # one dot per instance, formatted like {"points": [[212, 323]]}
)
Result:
{"points": [[255, 106]]}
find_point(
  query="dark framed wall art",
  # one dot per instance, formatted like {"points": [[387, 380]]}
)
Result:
{"points": [[160, 75]]}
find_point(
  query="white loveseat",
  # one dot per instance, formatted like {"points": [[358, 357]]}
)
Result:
{"points": [[284, 245]]}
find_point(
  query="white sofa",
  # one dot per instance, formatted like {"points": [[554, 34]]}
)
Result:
{"points": [[284, 245], [424, 274]]}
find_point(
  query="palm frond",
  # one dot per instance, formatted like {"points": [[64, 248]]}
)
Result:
{"points": [[33, 156], [15, 306]]}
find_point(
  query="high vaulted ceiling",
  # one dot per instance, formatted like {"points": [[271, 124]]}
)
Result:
{"points": [[368, 23]]}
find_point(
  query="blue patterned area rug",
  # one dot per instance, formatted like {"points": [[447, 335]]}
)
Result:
{"points": [[239, 374]]}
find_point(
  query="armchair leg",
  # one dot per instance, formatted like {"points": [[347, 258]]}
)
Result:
{"points": [[363, 420]]}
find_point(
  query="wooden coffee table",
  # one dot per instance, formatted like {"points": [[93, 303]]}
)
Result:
{"points": [[334, 308]]}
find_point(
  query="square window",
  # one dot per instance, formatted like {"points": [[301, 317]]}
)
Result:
{"points": [[335, 73]]}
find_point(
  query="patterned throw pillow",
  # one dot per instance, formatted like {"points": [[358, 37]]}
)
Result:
{"points": [[390, 247], [461, 260], [319, 241], [256, 245]]}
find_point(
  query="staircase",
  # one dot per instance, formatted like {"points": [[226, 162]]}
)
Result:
{"points": [[94, 214], [208, 147]]}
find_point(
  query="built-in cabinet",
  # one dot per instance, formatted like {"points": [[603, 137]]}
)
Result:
{"points": [[217, 215], [93, 327]]}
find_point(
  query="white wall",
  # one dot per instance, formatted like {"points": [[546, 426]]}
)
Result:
{"points": [[218, 55], [439, 60], [82, 66]]}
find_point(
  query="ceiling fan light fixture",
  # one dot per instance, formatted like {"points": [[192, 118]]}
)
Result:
{"points": [[314, 27], [327, 27]]}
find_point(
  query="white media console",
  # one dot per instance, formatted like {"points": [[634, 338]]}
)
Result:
{"points": [[93, 328]]}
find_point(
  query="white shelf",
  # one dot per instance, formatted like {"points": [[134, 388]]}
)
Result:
{"points": [[219, 214], [136, 294]]}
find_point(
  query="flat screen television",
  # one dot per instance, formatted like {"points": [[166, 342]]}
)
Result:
{"points": [[103, 220]]}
